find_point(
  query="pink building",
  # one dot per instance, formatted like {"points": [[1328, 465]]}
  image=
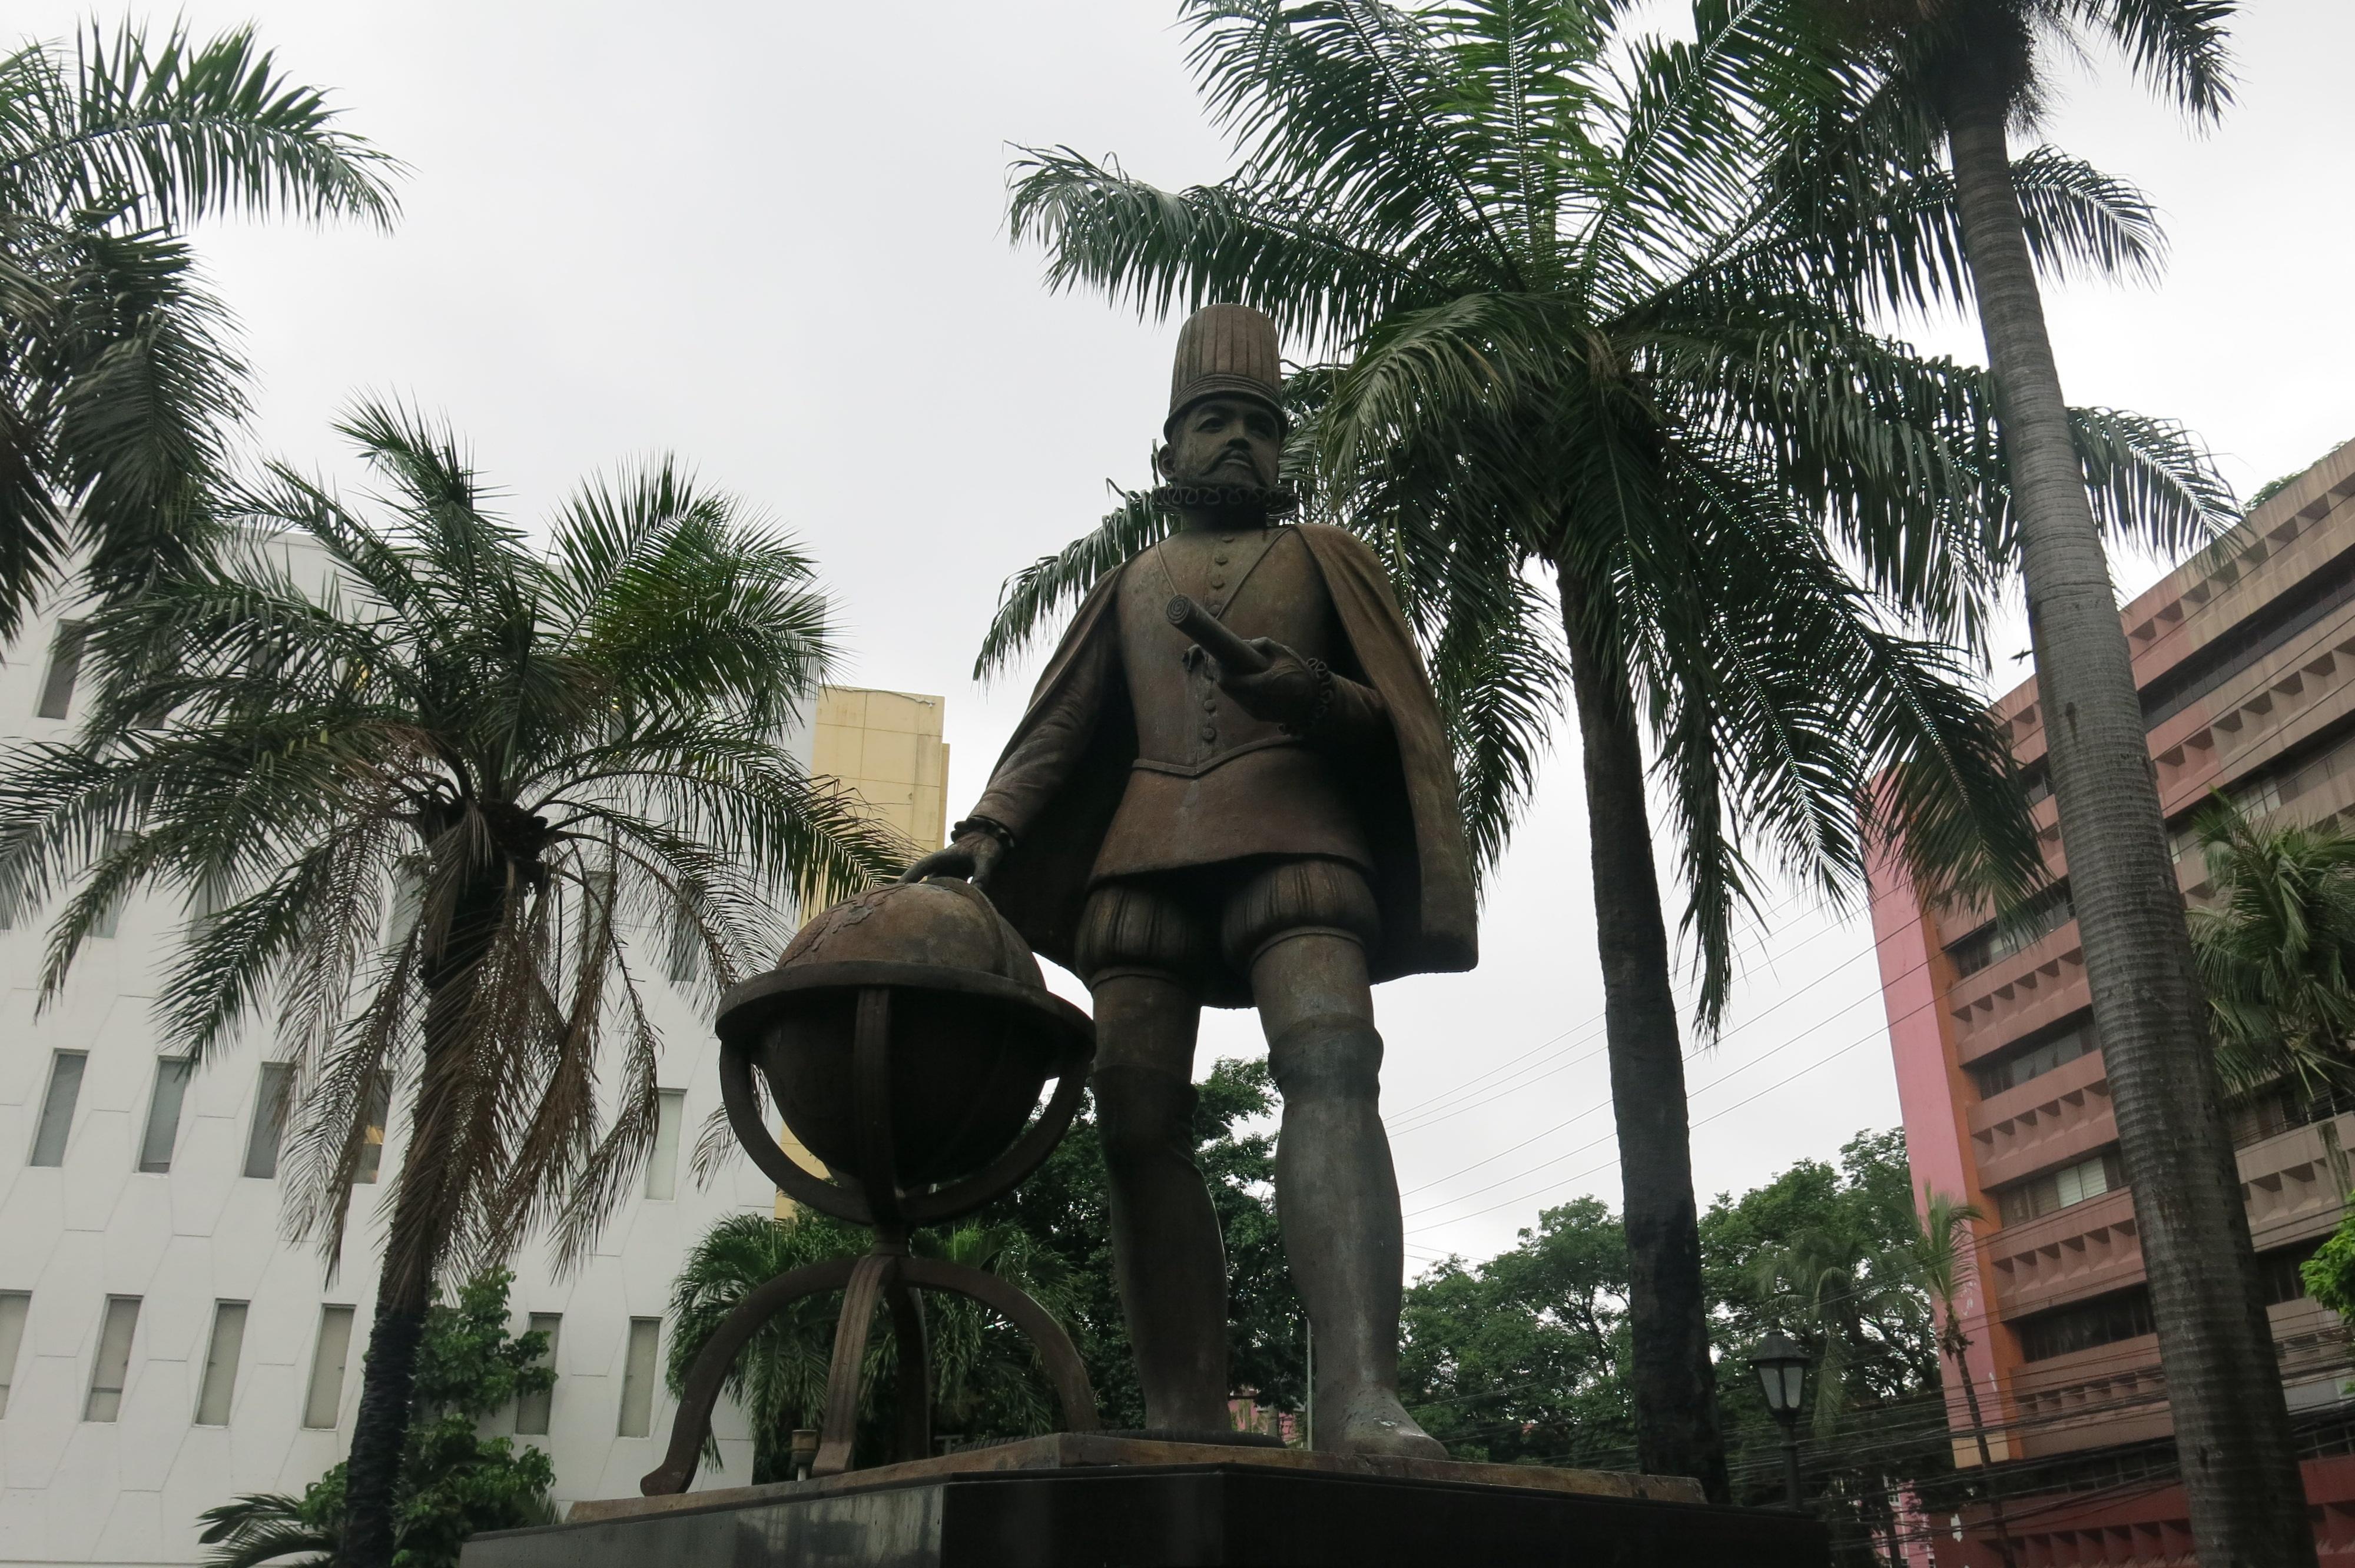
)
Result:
{"points": [[2246, 658]]}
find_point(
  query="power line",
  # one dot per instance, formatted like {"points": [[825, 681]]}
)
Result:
{"points": [[1605, 1104], [1424, 1113], [1698, 1121]]}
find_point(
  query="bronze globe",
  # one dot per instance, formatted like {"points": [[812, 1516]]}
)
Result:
{"points": [[906, 1036], [971, 1047]]}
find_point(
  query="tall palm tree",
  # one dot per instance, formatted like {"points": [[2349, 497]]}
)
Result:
{"points": [[1974, 69], [119, 383], [422, 807], [1598, 390], [1943, 1263], [2276, 952], [984, 1373]]}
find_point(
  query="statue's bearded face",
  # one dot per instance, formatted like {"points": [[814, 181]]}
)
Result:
{"points": [[1224, 441]]}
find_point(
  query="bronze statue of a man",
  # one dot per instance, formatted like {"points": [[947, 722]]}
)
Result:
{"points": [[1179, 833]]}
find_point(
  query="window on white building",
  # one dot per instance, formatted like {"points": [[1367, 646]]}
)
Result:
{"points": [[14, 1305], [327, 1358], [268, 1130], [532, 1409], [219, 1387], [164, 1104], [372, 1145], [686, 953], [638, 1378], [109, 917], [662, 1165], [58, 1108], [65, 664], [113, 1368]]}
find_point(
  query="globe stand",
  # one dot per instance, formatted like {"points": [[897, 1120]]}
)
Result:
{"points": [[888, 1275]]}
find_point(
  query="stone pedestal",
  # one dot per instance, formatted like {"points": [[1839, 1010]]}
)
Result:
{"points": [[1084, 1498]]}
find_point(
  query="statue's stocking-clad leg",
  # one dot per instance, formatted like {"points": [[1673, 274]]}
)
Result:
{"points": [[1336, 1192], [1166, 1251]]}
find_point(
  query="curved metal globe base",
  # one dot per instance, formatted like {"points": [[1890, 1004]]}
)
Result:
{"points": [[890, 1275], [882, 1276]]}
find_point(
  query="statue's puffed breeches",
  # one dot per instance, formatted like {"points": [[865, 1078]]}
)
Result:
{"points": [[1205, 928]]}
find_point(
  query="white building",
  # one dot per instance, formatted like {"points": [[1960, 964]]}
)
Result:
{"points": [[164, 1348]]}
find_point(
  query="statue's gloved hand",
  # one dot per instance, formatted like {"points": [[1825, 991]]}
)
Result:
{"points": [[1289, 692], [973, 856]]}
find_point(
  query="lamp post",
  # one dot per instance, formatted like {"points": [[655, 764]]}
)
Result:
{"points": [[1782, 1368]]}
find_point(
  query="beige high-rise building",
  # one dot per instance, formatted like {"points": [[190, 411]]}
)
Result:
{"points": [[888, 746]]}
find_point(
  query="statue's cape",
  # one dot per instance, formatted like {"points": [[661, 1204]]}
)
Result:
{"points": [[1405, 796]]}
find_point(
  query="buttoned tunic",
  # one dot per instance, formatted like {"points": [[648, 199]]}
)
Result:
{"points": [[1211, 783]]}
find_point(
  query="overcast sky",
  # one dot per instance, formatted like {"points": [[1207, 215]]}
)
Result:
{"points": [[770, 238]]}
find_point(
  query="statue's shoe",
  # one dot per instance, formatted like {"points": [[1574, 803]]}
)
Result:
{"points": [[1374, 1422]]}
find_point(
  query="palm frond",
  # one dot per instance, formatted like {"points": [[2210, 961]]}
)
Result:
{"points": [[1351, 105], [264, 1528], [1500, 674], [669, 586], [2152, 483], [2181, 47], [1033, 597], [170, 132], [1160, 250]]}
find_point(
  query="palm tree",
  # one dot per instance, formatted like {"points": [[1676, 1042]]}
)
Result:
{"points": [[1599, 394], [985, 1375], [1943, 1265], [119, 383], [422, 807], [2276, 952], [1847, 1294], [1974, 67]]}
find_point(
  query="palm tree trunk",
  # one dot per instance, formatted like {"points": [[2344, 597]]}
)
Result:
{"points": [[2232, 1423], [388, 1380], [1672, 1381], [1987, 1461], [423, 1219]]}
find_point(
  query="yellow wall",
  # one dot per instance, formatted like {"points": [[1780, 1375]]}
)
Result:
{"points": [[888, 746]]}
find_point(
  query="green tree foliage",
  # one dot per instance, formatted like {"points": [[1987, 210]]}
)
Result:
{"points": [[1829, 1254], [120, 387], [2329, 1274], [420, 810], [986, 1384], [1521, 1359], [454, 1480], [2276, 952], [1825, 1253]]}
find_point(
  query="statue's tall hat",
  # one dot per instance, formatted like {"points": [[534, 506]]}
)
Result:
{"points": [[1225, 350]]}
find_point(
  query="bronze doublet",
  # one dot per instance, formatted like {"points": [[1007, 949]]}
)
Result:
{"points": [[1211, 783]]}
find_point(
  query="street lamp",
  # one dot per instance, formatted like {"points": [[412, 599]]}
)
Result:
{"points": [[1782, 1368]]}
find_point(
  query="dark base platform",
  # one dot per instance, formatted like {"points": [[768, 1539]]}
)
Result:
{"points": [[1058, 1502]]}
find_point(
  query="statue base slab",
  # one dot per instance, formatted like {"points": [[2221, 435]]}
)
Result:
{"points": [[1086, 1498]]}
